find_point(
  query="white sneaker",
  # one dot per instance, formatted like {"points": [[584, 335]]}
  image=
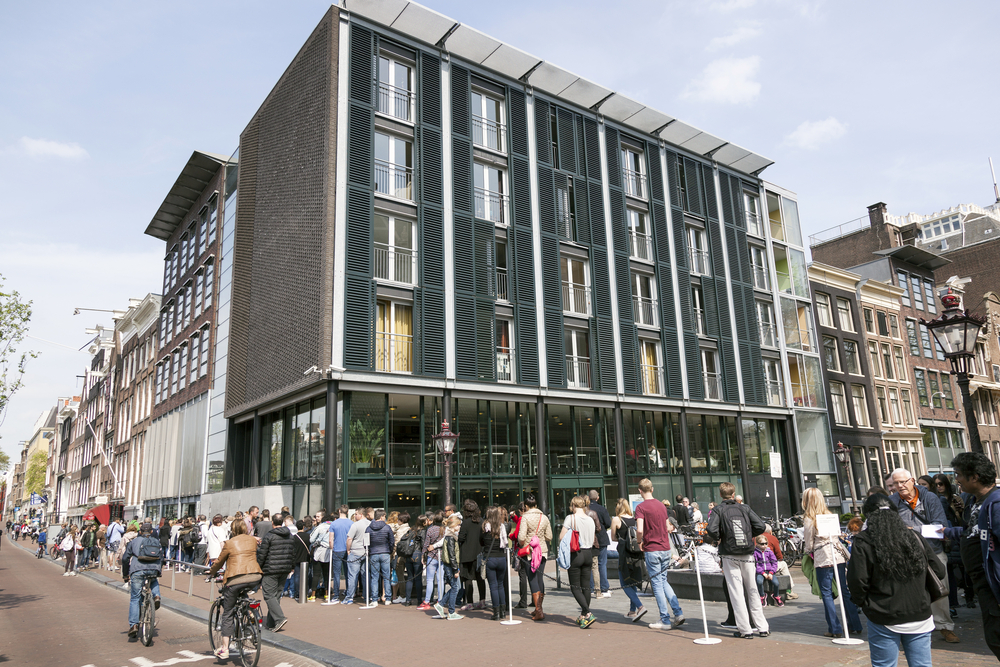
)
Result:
{"points": [[606, 594], [65, 574], [660, 626]]}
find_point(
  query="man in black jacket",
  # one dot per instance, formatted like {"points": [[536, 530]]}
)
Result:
{"points": [[600, 565], [275, 555]]}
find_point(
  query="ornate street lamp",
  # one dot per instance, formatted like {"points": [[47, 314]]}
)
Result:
{"points": [[446, 441], [843, 454], [956, 332]]}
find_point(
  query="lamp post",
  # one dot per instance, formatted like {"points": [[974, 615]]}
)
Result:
{"points": [[446, 441], [843, 454], [956, 332]]}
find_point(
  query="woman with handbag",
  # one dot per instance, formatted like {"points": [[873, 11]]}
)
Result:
{"points": [[69, 546], [469, 549], [629, 563], [493, 544], [535, 527], [579, 528], [824, 560], [889, 578]]}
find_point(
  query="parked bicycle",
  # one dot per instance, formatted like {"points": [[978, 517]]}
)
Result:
{"points": [[247, 623]]}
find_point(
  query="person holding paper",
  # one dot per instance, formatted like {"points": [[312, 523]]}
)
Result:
{"points": [[918, 507], [825, 559]]}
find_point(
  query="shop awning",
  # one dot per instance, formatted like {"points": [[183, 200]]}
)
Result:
{"points": [[102, 513]]}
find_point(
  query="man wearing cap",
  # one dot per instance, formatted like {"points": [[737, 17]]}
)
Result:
{"points": [[136, 571]]}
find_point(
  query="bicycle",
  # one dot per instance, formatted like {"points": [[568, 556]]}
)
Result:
{"points": [[147, 612], [247, 621]]}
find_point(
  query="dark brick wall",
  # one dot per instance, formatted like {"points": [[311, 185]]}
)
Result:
{"points": [[283, 258], [981, 262]]}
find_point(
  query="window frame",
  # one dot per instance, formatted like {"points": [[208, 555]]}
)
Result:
{"points": [[824, 315], [838, 404], [860, 406], [846, 322], [391, 250]]}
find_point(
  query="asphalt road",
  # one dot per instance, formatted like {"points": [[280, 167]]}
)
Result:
{"points": [[48, 620]]}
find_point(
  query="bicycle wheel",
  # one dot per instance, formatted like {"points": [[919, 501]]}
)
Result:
{"points": [[215, 624], [146, 619], [248, 633], [790, 552]]}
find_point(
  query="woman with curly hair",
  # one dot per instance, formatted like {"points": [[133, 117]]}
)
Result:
{"points": [[886, 579]]}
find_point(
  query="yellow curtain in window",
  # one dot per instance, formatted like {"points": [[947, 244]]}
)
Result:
{"points": [[650, 372], [403, 343]]}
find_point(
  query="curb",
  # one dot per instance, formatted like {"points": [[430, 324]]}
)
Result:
{"points": [[322, 655]]}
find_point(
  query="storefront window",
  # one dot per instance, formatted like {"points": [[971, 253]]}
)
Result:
{"points": [[404, 434], [366, 436]]}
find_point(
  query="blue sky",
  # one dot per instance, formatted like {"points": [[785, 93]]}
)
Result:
{"points": [[102, 103]]}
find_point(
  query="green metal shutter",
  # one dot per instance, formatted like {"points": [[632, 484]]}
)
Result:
{"points": [[526, 344], [567, 140], [465, 336], [543, 137], [428, 300], [359, 322], [546, 201], [465, 265], [518, 122], [486, 360]]}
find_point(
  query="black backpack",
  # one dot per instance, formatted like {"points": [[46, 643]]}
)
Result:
{"points": [[149, 550], [411, 543], [629, 540], [737, 535]]}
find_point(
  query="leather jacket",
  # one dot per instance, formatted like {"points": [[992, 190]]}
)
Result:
{"points": [[239, 554]]}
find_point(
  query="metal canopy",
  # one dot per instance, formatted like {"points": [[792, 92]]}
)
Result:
{"points": [[187, 189], [917, 256], [423, 24]]}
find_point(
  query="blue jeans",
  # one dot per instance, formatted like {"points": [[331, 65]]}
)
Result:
{"points": [[630, 593], [353, 567], [136, 580], [433, 568], [602, 568], [379, 564], [414, 574], [656, 566], [496, 576], [884, 645], [84, 559], [824, 578], [455, 582], [771, 584], [338, 559]]}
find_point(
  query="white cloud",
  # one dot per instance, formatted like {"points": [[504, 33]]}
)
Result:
{"points": [[42, 148], [727, 81], [741, 34], [726, 6], [812, 134]]}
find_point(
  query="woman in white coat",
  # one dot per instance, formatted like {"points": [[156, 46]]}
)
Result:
{"points": [[218, 533]]}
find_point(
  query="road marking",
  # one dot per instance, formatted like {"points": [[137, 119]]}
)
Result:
{"points": [[186, 656]]}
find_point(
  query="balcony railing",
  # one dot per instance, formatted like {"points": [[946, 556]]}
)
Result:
{"points": [[754, 225], [699, 261], [395, 180], [775, 392], [767, 335], [505, 364], [760, 278], [713, 387], [491, 206], [575, 298], [393, 353], [502, 285], [489, 134], [645, 310], [635, 183], [652, 380], [641, 246], [577, 372], [395, 102], [396, 264]]}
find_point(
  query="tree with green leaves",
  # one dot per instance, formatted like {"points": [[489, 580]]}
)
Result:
{"points": [[14, 317], [4, 461], [34, 479]]}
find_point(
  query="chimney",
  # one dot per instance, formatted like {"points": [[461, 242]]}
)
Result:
{"points": [[876, 215]]}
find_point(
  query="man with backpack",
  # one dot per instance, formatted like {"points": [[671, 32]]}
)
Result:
{"points": [[653, 535], [200, 535], [142, 559], [735, 526]]}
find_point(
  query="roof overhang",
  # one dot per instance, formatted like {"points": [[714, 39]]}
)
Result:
{"points": [[425, 25], [187, 189], [917, 256]]}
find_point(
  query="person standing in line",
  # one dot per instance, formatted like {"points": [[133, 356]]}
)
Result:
{"points": [[338, 554], [215, 537], [113, 540], [87, 542], [400, 532], [813, 505], [734, 525], [917, 507], [275, 558], [493, 542], [976, 475], [629, 561], [696, 516], [382, 543], [533, 537], [599, 566], [469, 549], [432, 561], [68, 547], [200, 551], [681, 510], [653, 534], [522, 570], [451, 566], [886, 578], [579, 572], [250, 518], [415, 562], [955, 511], [355, 543], [319, 543], [263, 525]]}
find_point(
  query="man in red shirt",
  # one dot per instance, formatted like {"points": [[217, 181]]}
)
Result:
{"points": [[652, 531]]}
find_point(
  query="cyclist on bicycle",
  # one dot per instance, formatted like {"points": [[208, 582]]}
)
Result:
{"points": [[239, 555], [42, 541], [142, 559]]}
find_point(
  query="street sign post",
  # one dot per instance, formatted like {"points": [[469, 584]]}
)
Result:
{"points": [[775, 459]]}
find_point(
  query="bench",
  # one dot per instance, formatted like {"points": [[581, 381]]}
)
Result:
{"points": [[685, 585]]}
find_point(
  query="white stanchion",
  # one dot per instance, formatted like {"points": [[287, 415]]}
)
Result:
{"points": [[329, 583], [369, 604], [847, 639], [701, 597], [510, 595]]}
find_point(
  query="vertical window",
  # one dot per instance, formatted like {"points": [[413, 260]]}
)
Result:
{"points": [[395, 254], [158, 383], [393, 166], [203, 235], [907, 406], [203, 341], [505, 351], [925, 339], [554, 136], [575, 285], [765, 318], [920, 375], [633, 172], [902, 281], [213, 213], [860, 405], [490, 193], [712, 376], [752, 206], [758, 263], [183, 375], [893, 326], [883, 323], [196, 286], [949, 398], [897, 414], [395, 89], [644, 299], [883, 408], [852, 358], [823, 314], [887, 363], [208, 288], [873, 354], [698, 305], [503, 285], [831, 360], [175, 366], [577, 359], [897, 352], [918, 299], [845, 315], [929, 293], [394, 337], [641, 243], [838, 403], [697, 251], [911, 338], [652, 369], [869, 320], [932, 384], [773, 384], [489, 128], [566, 210]]}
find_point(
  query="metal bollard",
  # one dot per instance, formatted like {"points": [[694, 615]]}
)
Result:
{"points": [[303, 584], [190, 581], [173, 575]]}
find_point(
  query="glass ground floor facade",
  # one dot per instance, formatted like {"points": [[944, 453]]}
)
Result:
{"points": [[379, 451]]}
